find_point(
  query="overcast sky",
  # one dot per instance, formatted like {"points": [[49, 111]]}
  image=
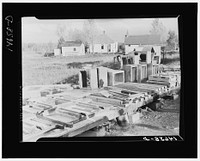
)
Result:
{"points": [[44, 31]]}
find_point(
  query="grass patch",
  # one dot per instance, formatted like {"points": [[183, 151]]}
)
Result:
{"points": [[39, 70], [70, 80], [79, 65], [169, 60]]}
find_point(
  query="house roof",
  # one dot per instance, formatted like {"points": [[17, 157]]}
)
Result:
{"points": [[148, 48], [144, 49], [143, 40], [71, 43], [103, 39]]}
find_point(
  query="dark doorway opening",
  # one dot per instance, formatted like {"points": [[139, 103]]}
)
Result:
{"points": [[84, 78]]}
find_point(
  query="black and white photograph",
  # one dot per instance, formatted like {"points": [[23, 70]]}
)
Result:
{"points": [[99, 80], [100, 77]]}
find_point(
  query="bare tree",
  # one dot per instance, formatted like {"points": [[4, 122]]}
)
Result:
{"points": [[77, 35], [50, 46], [61, 33], [172, 39], [90, 31], [158, 29], [61, 30]]}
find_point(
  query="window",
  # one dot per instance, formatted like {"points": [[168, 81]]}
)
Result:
{"points": [[102, 46], [74, 49]]}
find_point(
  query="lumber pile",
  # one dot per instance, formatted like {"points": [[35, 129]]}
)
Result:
{"points": [[171, 79]]}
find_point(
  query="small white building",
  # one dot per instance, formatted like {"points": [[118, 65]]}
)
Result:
{"points": [[57, 52], [73, 48], [103, 44]]}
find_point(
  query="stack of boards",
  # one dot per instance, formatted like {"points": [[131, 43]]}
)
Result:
{"points": [[171, 79], [61, 113]]}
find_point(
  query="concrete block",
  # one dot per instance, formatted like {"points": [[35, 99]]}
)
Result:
{"points": [[148, 57], [88, 78], [131, 73], [134, 118], [93, 78], [142, 72], [102, 76], [175, 96], [136, 59], [115, 77]]}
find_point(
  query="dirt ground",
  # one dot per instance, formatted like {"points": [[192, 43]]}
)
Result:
{"points": [[164, 121]]}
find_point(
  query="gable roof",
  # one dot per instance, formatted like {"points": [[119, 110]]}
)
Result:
{"points": [[143, 40], [71, 43], [103, 39], [148, 48]]}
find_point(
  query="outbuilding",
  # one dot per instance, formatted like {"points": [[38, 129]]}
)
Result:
{"points": [[138, 42], [73, 48], [103, 44]]}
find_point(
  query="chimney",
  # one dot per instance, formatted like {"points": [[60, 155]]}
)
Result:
{"points": [[127, 34]]}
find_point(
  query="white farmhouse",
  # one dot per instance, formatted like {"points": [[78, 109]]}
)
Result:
{"points": [[73, 48], [133, 43], [103, 44]]}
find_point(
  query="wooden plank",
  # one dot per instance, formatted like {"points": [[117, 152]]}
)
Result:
{"points": [[148, 85], [107, 100], [93, 78], [36, 124], [80, 80], [86, 127], [66, 124], [132, 88], [144, 86], [130, 72], [103, 76], [115, 77], [123, 90]]}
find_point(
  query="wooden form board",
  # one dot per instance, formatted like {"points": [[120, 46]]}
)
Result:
{"points": [[133, 88], [131, 73], [115, 77], [146, 87], [102, 116], [88, 78], [109, 110], [142, 72], [127, 59], [153, 69], [103, 75], [163, 78]]}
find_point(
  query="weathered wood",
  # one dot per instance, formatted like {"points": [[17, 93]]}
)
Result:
{"points": [[103, 76], [131, 73], [142, 72], [93, 78], [86, 127], [55, 121], [71, 112], [132, 88], [107, 100], [115, 77]]}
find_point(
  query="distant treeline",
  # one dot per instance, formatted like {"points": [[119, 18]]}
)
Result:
{"points": [[39, 47]]}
